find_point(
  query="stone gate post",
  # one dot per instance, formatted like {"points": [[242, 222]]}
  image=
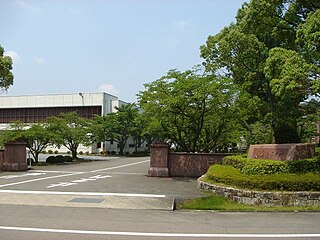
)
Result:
{"points": [[15, 157], [159, 155]]}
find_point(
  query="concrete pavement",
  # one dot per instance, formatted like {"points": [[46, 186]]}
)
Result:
{"points": [[95, 200]]}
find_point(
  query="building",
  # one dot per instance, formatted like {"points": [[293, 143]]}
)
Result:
{"points": [[36, 108]]}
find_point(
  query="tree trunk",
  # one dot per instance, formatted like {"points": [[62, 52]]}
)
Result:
{"points": [[74, 153]]}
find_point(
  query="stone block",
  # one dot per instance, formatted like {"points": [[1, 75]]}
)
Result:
{"points": [[282, 152], [15, 157], [159, 154]]}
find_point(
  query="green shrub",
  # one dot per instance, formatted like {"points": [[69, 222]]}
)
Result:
{"points": [[58, 159], [50, 151], [56, 152], [256, 166], [280, 182], [67, 158], [304, 165], [318, 151]]}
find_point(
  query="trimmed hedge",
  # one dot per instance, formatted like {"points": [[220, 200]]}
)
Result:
{"points": [[256, 166], [262, 166], [58, 159], [281, 182]]}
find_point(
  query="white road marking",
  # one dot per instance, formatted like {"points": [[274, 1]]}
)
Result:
{"points": [[124, 173], [165, 235], [21, 175], [121, 166], [71, 174], [39, 179], [45, 171], [75, 182], [85, 193]]}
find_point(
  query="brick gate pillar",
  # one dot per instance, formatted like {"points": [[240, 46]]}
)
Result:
{"points": [[159, 155], [15, 157], [1, 158]]}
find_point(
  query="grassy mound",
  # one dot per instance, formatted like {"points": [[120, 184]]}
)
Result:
{"points": [[232, 176]]}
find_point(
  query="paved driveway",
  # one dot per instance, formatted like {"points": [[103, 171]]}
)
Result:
{"points": [[109, 200], [112, 182]]}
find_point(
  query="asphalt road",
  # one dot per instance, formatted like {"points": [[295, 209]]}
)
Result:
{"points": [[50, 202]]}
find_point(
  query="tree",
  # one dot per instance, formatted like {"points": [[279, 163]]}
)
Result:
{"points": [[70, 130], [117, 126], [267, 57], [193, 111], [6, 76], [37, 136]]}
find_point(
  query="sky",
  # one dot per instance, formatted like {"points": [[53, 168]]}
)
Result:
{"points": [[113, 46]]}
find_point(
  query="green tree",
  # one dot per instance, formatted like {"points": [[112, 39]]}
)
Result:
{"points": [[70, 130], [117, 126], [191, 110], [37, 136], [6, 76], [266, 55]]}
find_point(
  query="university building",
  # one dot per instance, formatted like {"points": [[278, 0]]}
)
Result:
{"points": [[36, 108]]}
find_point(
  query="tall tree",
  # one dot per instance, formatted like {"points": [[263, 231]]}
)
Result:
{"points": [[117, 126], [6, 76], [70, 130], [266, 56], [192, 110]]}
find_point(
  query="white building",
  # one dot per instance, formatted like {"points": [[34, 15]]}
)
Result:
{"points": [[36, 108]]}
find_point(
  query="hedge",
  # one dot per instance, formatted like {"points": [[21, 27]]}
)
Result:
{"points": [[58, 159], [281, 182], [256, 166], [262, 166]]}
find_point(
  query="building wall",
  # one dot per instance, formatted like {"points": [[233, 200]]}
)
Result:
{"points": [[36, 108]]}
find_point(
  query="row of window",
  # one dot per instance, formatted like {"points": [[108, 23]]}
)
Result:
{"points": [[33, 115]]}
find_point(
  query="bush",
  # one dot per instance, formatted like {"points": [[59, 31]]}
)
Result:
{"points": [[44, 152], [50, 151], [56, 152], [256, 166], [58, 159], [113, 152], [81, 152], [304, 165], [281, 182]]}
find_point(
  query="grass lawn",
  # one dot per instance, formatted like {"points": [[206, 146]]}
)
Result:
{"points": [[214, 202]]}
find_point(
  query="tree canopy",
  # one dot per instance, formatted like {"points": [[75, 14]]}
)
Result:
{"points": [[6, 76], [191, 110], [69, 130], [272, 54]]}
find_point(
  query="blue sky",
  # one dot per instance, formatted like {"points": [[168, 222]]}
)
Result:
{"points": [[70, 46]]}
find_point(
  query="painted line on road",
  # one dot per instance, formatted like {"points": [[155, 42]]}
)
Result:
{"points": [[123, 173], [45, 171], [121, 166], [71, 174], [149, 234], [40, 179], [85, 193]]}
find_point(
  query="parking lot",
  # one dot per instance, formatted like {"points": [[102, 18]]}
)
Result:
{"points": [[105, 183]]}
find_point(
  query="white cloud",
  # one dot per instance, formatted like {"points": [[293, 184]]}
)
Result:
{"points": [[182, 25], [27, 6], [39, 60], [14, 56], [108, 88]]}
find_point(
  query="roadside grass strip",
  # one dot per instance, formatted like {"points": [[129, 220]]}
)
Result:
{"points": [[215, 202], [164, 235]]}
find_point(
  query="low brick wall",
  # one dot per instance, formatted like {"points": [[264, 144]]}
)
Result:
{"points": [[192, 164], [251, 197]]}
